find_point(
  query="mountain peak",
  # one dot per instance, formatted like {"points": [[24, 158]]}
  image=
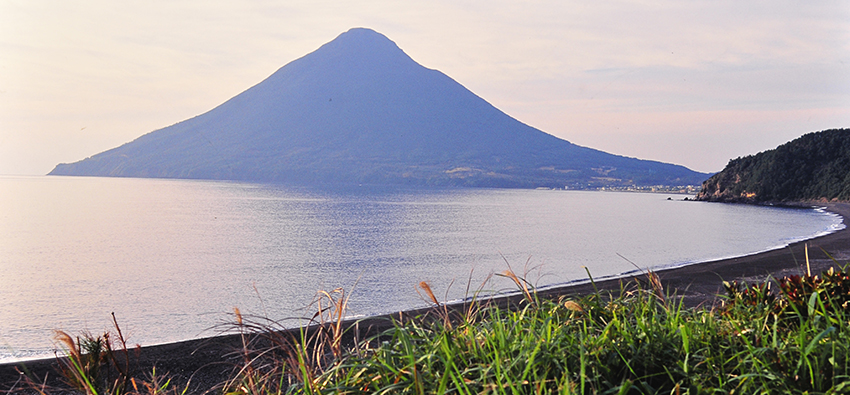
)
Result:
{"points": [[361, 48], [361, 39], [362, 34], [358, 109]]}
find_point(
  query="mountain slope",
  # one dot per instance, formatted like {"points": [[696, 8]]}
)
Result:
{"points": [[815, 166], [360, 110]]}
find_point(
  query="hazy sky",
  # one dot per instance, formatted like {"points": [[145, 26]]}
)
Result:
{"points": [[689, 82]]}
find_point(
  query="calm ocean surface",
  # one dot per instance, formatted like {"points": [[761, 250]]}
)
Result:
{"points": [[172, 258]]}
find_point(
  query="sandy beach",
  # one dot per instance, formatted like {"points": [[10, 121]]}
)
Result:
{"points": [[209, 361]]}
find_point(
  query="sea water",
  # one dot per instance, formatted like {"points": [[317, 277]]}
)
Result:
{"points": [[173, 258]]}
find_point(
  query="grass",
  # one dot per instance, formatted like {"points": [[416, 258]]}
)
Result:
{"points": [[626, 344], [99, 365], [638, 341], [760, 339]]}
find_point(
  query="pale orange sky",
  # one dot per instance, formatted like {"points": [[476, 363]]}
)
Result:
{"points": [[693, 83]]}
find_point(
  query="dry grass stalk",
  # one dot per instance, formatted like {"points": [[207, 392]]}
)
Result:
{"points": [[521, 284], [332, 317], [654, 281], [573, 306], [274, 359], [90, 361], [427, 289], [442, 313], [271, 358], [657, 288], [808, 266]]}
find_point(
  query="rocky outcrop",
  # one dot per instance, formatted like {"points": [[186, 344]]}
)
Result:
{"points": [[726, 187]]}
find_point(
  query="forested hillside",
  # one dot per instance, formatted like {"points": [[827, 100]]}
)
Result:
{"points": [[815, 166]]}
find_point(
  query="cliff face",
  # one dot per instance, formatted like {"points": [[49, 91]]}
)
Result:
{"points": [[360, 110], [726, 186], [815, 166]]}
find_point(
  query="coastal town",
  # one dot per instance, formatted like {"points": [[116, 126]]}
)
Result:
{"points": [[679, 189]]}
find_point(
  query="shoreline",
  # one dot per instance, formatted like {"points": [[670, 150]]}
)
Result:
{"points": [[773, 262], [209, 361], [705, 280]]}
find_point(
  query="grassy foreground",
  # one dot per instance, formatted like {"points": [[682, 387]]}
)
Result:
{"points": [[789, 337]]}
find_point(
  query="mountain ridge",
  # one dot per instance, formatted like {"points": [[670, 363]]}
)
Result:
{"points": [[358, 109]]}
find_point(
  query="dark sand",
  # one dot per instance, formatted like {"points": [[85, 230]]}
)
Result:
{"points": [[210, 361]]}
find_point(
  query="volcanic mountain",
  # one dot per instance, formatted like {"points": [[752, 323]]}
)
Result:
{"points": [[360, 110]]}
